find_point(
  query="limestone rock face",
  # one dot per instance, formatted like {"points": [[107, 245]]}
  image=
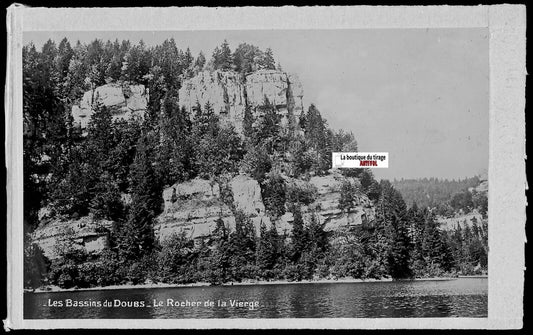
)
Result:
{"points": [[467, 219], [229, 93], [198, 189], [125, 101], [327, 201], [280, 88], [461, 220], [247, 195], [192, 208], [195, 206], [223, 90], [84, 233]]}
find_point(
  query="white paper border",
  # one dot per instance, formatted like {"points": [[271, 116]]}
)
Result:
{"points": [[507, 179]]}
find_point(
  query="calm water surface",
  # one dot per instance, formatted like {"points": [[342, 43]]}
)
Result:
{"points": [[463, 297]]}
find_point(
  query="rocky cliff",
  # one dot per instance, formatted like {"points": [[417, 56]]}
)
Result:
{"points": [[195, 206], [124, 101], [229, 93], [84, 233], [461, 219]]}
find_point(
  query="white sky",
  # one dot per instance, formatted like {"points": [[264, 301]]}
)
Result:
{"points": [[420, 94]]}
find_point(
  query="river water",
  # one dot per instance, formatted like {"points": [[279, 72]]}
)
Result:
{"points": [[462, 297]]}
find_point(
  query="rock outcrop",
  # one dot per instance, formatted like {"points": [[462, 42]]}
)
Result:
{"points": [[229, 93], [461, 220], [247, 195], [195, 206], [281, 89], [192, 207], [326, 204], [125, 101], [223, 90], [85, 233], [483, 186]]}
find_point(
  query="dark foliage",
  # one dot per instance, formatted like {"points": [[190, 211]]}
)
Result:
{"points": [[75, 174]]}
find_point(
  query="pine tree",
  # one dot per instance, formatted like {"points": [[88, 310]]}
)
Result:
{"points": [[391, 216], [416, 222], [45, 132], [137, 64], [106, 200], [188, 59], [316, 135], [100, 137], [317, 236], [174, 152], [219, 259], [200, 61], [268, 60], [244, 58], [267, 131], [167, 57], [299, 236], [36, 264], [114, 65], [222, 57], [64, 55], [273, 191], [136, 238], [248, 122], [121, 156], [256, 162], [76, 83], [218, 150], [348, 197], [242, 246], [266, 250]]}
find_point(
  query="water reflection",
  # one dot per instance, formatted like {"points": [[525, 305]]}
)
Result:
{"points": [[464, 297]]}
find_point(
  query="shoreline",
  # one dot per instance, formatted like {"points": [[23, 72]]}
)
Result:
{"points": [[53, 289]]}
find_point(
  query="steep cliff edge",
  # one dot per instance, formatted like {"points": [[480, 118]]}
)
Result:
{"points": [[229, 93], [85, 233], [476, 215], [195, 206], [124, 100]]}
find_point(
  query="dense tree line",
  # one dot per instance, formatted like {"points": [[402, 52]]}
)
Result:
{"points": [[446, 197], [401, 243], [119, 169], [58, 75]]}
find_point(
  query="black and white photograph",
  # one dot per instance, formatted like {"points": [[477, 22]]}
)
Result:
{"points": [[256, 174]]}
